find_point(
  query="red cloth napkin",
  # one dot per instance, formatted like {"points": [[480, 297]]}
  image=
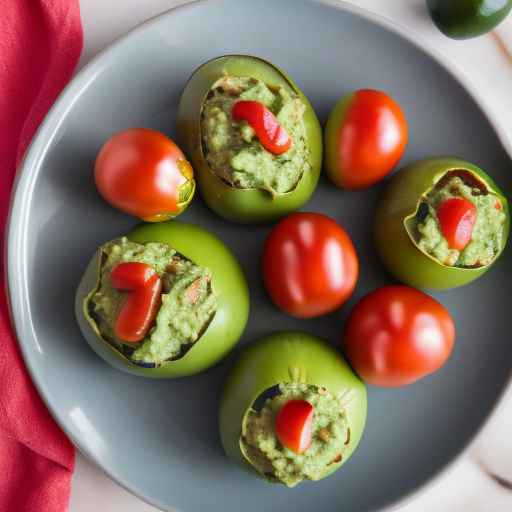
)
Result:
{"points": [[40, 44]]}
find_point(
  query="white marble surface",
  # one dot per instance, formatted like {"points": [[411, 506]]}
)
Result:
{"points": [[466, 486]]}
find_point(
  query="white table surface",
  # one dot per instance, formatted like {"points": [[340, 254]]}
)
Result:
{"points": [[469, 484]]}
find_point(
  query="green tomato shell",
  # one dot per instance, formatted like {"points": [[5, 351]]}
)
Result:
{"points": [[399, 203], [243, 205], [288, 357], [229, 282], [463, 19]]}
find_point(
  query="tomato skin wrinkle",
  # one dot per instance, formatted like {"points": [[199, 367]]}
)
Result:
{"points": [[457, 217], [294, 425], [272, 136], [143, 289]]}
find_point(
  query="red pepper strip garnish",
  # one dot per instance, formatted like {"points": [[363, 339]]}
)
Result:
{"points": [[497, 205], [457, 217], [142, 302], [272, 136], [127, 276], [294, 425]]}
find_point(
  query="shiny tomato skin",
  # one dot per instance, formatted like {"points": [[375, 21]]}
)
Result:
{"points": [[141, 172], [457, 217], [397, 335], [310, 265], [139, 311], [294, 425], [131, 274], [365, 137]]}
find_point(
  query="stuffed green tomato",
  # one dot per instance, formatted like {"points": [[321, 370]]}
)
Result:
{"points": [[292, 409], [253, 138], [167, 300], [441, 223]]}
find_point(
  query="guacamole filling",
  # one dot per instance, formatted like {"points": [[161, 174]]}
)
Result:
{"points": [[233, 150], [487, 235], [188, 301], [331, 436]]}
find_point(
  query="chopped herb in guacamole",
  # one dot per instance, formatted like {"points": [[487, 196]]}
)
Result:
{"points": [[188, 301], [233, 150], [487, 235], [331, 436]]}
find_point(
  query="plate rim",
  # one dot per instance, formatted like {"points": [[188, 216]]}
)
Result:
{"points": [[24, 182]]}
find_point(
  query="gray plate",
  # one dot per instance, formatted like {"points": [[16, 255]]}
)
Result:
{"points": [[159, 438]]}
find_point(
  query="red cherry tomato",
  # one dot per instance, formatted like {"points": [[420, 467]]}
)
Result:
{"points": [[397, 335], [143, 299], [142, 172], [294, 425], [457, 217], [310, 266], [272, 136], [365, 137]]}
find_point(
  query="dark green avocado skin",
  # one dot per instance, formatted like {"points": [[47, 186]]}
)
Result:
{"points": [[464, 19]]}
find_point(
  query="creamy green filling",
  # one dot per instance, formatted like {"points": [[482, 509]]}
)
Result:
{"points": [[233, 150], [188, 301], [487, 236], [331, 436]]}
